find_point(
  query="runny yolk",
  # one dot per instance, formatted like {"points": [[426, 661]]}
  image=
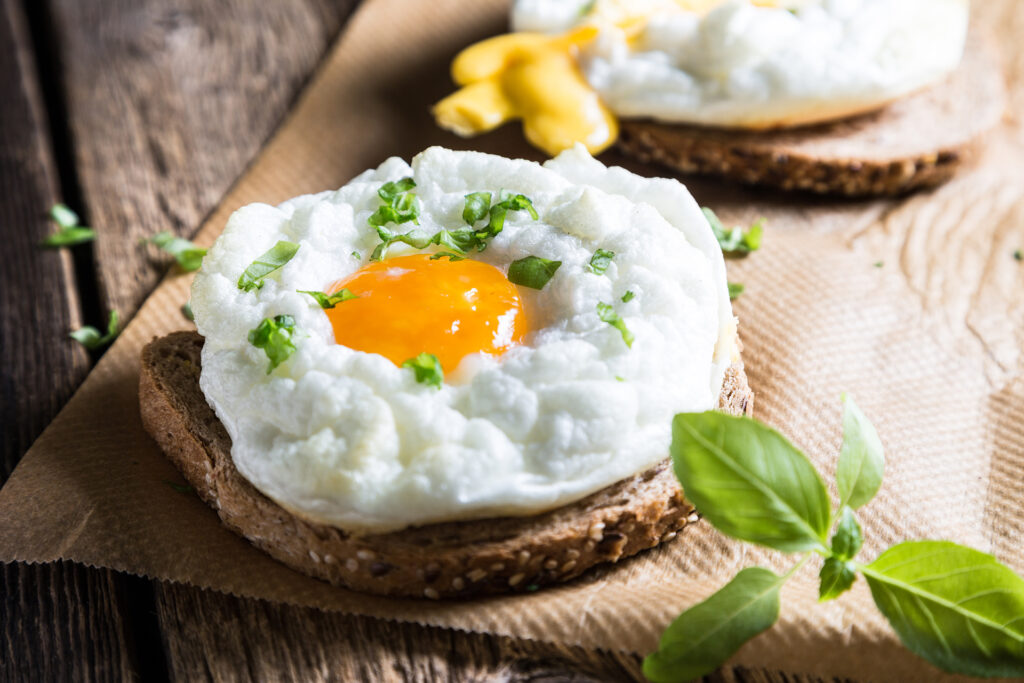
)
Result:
{"points": [[408, 305]]}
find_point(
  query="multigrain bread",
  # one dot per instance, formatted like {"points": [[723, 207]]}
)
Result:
{"points": [[448, 560], [915, 142]]}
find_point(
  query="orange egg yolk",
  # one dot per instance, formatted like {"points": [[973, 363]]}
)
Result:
{"points": [[408, 305]]}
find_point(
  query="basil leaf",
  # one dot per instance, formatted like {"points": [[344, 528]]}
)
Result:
{"points": [[735, 289], [450, 255], [848, 539], [750, 482], [478, 204], [278, 255], [607, 314], [330, 300], [275, 337], [861, 461], [837, 576], [90, 337], [63, 216], [427, 368], [390, 191], [532, 271], [187, 254], [957, 607], [703, 637], [628, 296], [401, 205], [69, 237], [600, 261], [507, 202], [735, 241], [186, 310]]}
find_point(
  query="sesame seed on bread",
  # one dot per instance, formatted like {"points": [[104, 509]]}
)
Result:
{"points": [[446, 560], [915, 142]]}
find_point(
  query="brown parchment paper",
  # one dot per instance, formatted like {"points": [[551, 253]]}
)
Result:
{"points": [[929, 344]]}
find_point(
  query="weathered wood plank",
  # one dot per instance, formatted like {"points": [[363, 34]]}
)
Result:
{"points": [[57, 622], [168, 101]]}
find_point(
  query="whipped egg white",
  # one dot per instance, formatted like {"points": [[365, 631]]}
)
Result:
{"points": [[349, 438], [756, 63]]}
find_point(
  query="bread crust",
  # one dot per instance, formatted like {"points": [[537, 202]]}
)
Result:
{"points": [[446, 560], [915, 142]]}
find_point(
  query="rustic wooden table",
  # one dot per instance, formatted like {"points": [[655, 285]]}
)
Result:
{"points": [[140, 114]]}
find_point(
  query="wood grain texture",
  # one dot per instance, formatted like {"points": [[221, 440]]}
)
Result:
{"points": [[57, 622], [241, 639], [168, 101]]}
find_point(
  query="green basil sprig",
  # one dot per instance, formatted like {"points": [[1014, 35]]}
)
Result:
{"points": [[735, 241], [274, 258], [956, 607]]}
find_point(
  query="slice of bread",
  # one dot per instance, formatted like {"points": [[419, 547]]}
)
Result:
{"points": [[917, 141], [454, 559]]}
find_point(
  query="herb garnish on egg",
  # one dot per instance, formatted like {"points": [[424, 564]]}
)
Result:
{"points": [[327, 301], [427, 369], [533, 271], [278, 255], [607, 314], [600, 261], [628, 296], [456, 242], [274, 336]]}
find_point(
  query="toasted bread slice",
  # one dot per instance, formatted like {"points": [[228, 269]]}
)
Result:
{"points": [[454, 559], [915, 142]]}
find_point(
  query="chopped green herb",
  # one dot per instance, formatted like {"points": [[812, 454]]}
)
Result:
{"points": [[478, 204], [427, 368], [92, 339], [506, 202], [70, 233], [879, 264], [330, 300], [1018, 255], [450, 255], [278, 255], [735, 241], [532, 271], [735, 289], [69, 237], [586, 8], [607, 314], [275, 337], [400, 205], [620, 378], [186, 310], [356, 255], [180, 488], [600, 261], [63, 216], [628, 296], [188, 255]]}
